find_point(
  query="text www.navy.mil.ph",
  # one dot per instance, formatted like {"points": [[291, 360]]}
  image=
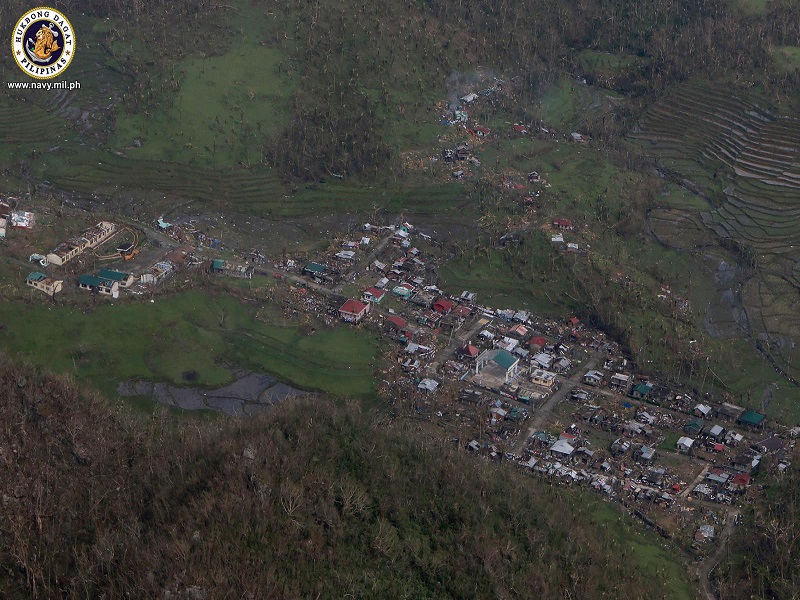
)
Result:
{"points": [[44, 85]]}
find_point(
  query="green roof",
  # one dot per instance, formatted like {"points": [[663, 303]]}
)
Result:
{"points": [[112, 275], [642, 388], [218, 263], [504, 359], [695, 424], [751, 417], [36, 276], [315, 267], [90, 280]]}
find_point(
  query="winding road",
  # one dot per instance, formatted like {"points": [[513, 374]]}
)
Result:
{"points": [[710, 563]]}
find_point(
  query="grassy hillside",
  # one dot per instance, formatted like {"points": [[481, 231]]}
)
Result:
{"points": [[306, 502]]}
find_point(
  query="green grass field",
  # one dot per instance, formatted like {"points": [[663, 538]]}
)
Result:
{"points": [[225, 105], [189, 332], [787, 58], [753, 7], [498, 285], [593, 61], [646, 549]]}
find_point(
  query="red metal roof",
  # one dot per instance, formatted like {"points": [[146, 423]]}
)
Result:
{"points": [[538, 341], [741, 479], [443, 305], [462, 311], [398, 322], [376, 292], [353, 307], [470, 350]]}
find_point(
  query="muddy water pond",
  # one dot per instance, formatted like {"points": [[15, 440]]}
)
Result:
{"points": [[251, 393]]}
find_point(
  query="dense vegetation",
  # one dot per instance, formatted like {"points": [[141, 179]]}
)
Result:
{"points": [[765, 556], [366, 73], [311, 501]]}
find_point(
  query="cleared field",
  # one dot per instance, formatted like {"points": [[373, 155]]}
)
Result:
{"points": [[498, 284], [648, 556], [151, 341], [787, 58], [220, 112], [567, 104]]}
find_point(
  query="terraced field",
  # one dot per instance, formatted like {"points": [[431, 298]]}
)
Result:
{"points": [[746, 158]]}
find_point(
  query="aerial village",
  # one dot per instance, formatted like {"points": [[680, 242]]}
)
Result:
{"points": [[555, 397]]}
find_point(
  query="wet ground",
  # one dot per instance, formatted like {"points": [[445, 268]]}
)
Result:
{"points": [[250, 394], [725, 314]]}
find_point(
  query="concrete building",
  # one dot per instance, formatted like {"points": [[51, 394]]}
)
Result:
{"points": [[124, 279], [96, 284], [226, 267], [42, 282], [353, 311], [89, 238], [497, 364]]}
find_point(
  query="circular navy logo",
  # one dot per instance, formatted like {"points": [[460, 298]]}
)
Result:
{"points": [[43, 43]]}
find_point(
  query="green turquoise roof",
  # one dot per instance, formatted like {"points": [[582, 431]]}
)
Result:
{"points": [[112, 275], [751, 417], [316, 267], [90, 280], [504, 359]]}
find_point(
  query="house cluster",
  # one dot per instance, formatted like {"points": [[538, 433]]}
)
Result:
{"points": [[511, 358], [561, 227], [339, 262], [457, 109], [400, 272], [66, 251], [723, 444]]}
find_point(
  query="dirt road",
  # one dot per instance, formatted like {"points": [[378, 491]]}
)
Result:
{"points": [[545, 411], [708, 565]]}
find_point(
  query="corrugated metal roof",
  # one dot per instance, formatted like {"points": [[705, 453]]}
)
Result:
{"points": [[504, 359], [90, 280], [315, 268], [112, 275], [751, 417]]}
